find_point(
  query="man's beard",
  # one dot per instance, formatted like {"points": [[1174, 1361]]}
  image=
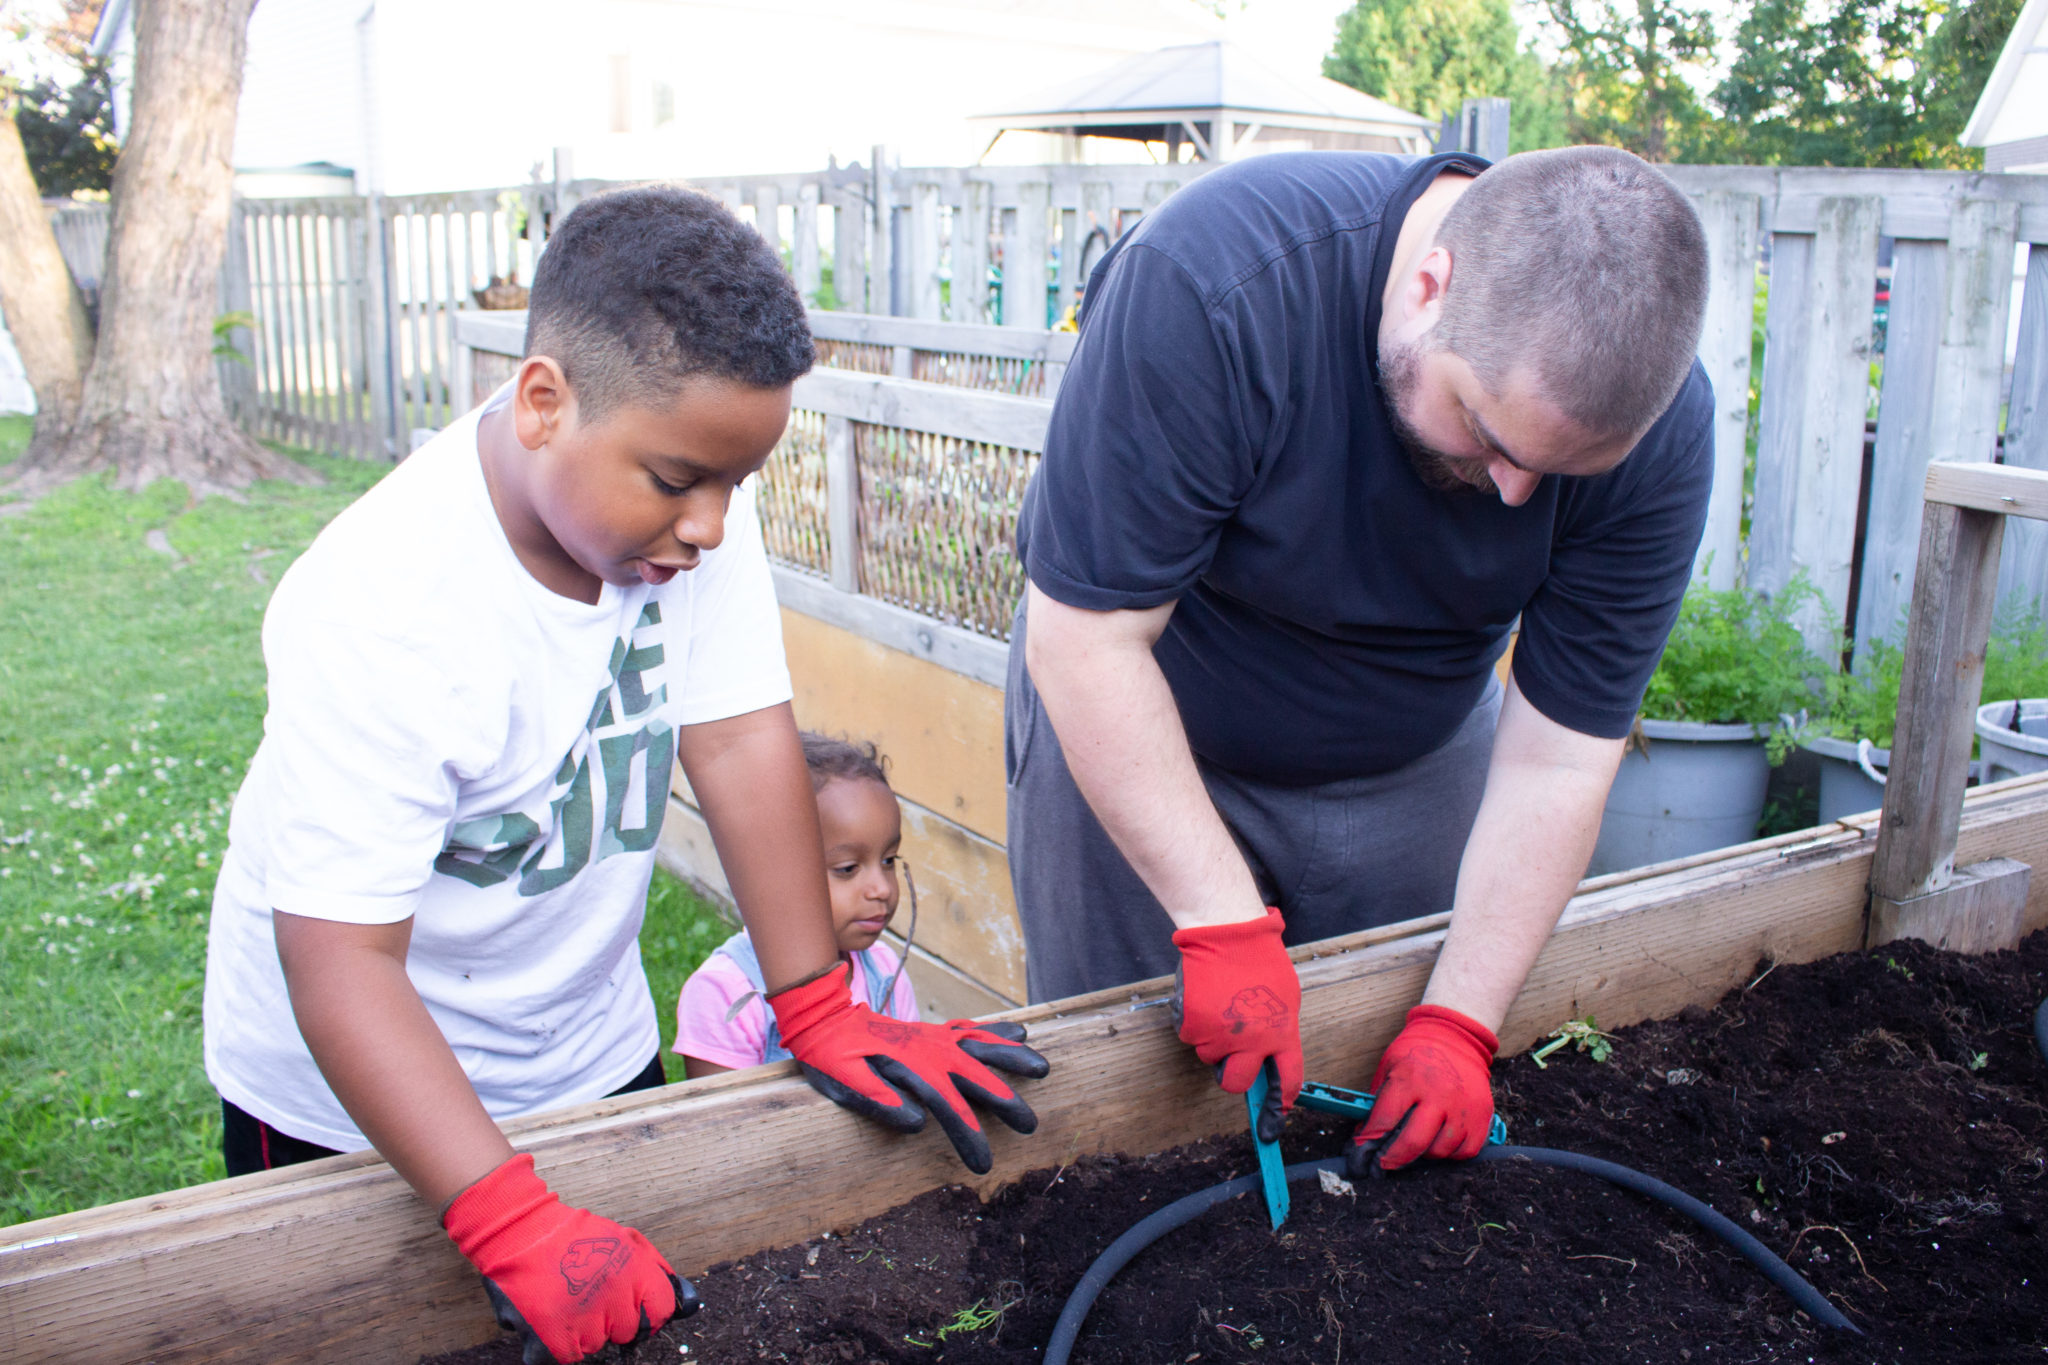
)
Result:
{"points": [[1400, 370]]}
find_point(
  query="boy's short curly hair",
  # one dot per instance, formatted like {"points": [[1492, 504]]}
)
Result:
{"points": [[641, 289], [841, 760]]}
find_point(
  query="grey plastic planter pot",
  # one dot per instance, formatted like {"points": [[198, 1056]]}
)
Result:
{"points": [[2008, 752], [1699, 788], [1845, 789]]}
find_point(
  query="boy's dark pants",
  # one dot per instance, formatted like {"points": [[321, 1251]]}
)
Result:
{"points": [[251, 1145], [1335, 858]]}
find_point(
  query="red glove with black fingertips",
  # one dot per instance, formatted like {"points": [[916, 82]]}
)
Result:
{"points": [[1239, 1003], [1434, 1085], [895, 1071], [564, 1278]]}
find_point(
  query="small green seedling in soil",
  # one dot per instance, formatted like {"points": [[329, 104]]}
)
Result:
{"points": [[973, 1318], [1979, 1060], [1581, 1033], [1895, 965]]}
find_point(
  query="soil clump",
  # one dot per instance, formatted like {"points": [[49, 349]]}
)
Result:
{"points": [[1879, 1119]]}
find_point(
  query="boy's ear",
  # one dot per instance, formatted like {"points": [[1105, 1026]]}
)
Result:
{"points": [[542, 403]]}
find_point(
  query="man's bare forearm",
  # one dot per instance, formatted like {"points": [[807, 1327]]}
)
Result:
{"points": [[384, 1056], [748, 772], [1110, 705], [1545, 789]]}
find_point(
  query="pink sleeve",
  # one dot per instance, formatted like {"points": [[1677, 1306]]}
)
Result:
{"points": [[702, 1028]]}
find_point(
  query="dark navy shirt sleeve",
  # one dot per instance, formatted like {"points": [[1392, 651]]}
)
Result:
{"points": [[1596, 627], [1147, 455]]}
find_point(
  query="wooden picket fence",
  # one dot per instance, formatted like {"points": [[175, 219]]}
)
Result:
{"points": [[951, 275]]}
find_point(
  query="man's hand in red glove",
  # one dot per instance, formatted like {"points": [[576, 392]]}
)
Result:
{"points": [[1239, 1003], [895, 1072], [1433, 1085], [567, 1280]]}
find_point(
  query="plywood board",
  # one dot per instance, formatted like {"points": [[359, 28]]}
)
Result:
{"points": [[338, 1260], [967, 916], [942, 733]]}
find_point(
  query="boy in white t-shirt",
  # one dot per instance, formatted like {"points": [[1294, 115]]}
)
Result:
{"points": [[480, 675]]}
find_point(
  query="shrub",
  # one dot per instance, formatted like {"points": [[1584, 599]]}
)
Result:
{"points": [[1864, 704], [1736, 657]]}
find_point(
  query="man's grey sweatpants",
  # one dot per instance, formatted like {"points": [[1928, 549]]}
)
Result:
{"points": [[1335, 858]]}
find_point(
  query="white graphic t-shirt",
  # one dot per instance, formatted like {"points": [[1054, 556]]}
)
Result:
{"points": [[448, 740]]}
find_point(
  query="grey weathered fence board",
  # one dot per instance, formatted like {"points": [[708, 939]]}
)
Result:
{"points": [[849, 248], [1915, 203], [971, 227], [2023, 569], [925, 253], [1905, 417], [803, 250], [1816, 389], [1730, 220], [1969, 369], [1024, 258], [998, 419]]}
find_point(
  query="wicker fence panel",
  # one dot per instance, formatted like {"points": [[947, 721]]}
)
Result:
{"points": [[938, 524], [860, 356], [790, 495], [991, 374]]}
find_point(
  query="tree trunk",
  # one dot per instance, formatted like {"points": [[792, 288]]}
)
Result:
{"points": [[43, 307], [152, 405]]}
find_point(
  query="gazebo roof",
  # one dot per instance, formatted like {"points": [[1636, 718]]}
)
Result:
{"points": [[1198, 80]]}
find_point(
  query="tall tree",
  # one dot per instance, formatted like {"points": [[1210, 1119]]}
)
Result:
{"points": [[151, 406], [1859, 82], [1626, 67], [1430, 56], [43, 308]]}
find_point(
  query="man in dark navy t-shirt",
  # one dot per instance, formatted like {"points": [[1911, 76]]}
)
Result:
{"points": [[1334, 423]]}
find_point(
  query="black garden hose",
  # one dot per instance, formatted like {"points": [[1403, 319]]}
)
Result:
{"points": [[1184, 1211], [2041, 1029]]}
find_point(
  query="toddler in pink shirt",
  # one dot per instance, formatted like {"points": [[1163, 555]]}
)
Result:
{"points": [[722, 1020]]}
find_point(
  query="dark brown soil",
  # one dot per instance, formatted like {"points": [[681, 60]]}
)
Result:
{"points": [[1879, 1119]]}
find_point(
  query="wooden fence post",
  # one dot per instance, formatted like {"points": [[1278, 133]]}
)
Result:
{"points": [[803, 250], [376, 257], [1809, 462], [882, 289], [238, 376], [1731, 221], [850, 249], [2023, 574], [1944, 670], [923, 266], [842, 503], [768, 217], [1915, 888], [1024, 258], [971, 230]]}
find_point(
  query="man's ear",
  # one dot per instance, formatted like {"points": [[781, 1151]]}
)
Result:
{"points": [[1422, 294], [542, 403]]}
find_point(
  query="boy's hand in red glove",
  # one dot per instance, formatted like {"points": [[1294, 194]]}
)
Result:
{"points": [[1239, 1002], [1433, 1084], [564, 1278], [895, 1072]]}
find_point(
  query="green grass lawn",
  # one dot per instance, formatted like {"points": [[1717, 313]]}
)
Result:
{"points": [[131, 699]]}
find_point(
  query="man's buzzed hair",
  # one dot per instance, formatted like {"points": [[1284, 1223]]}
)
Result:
{"points": [[1588, 266], [642, 289]]}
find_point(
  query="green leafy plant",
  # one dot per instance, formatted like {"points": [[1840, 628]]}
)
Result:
{"points": [[1864, 703], [1583, 1034], [1737, 657], [223, 335]]}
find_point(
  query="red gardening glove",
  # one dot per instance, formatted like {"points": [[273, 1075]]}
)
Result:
{"points": [[567, 1280], [1432, 1084], [1239, 1003], [895, 1071]]}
